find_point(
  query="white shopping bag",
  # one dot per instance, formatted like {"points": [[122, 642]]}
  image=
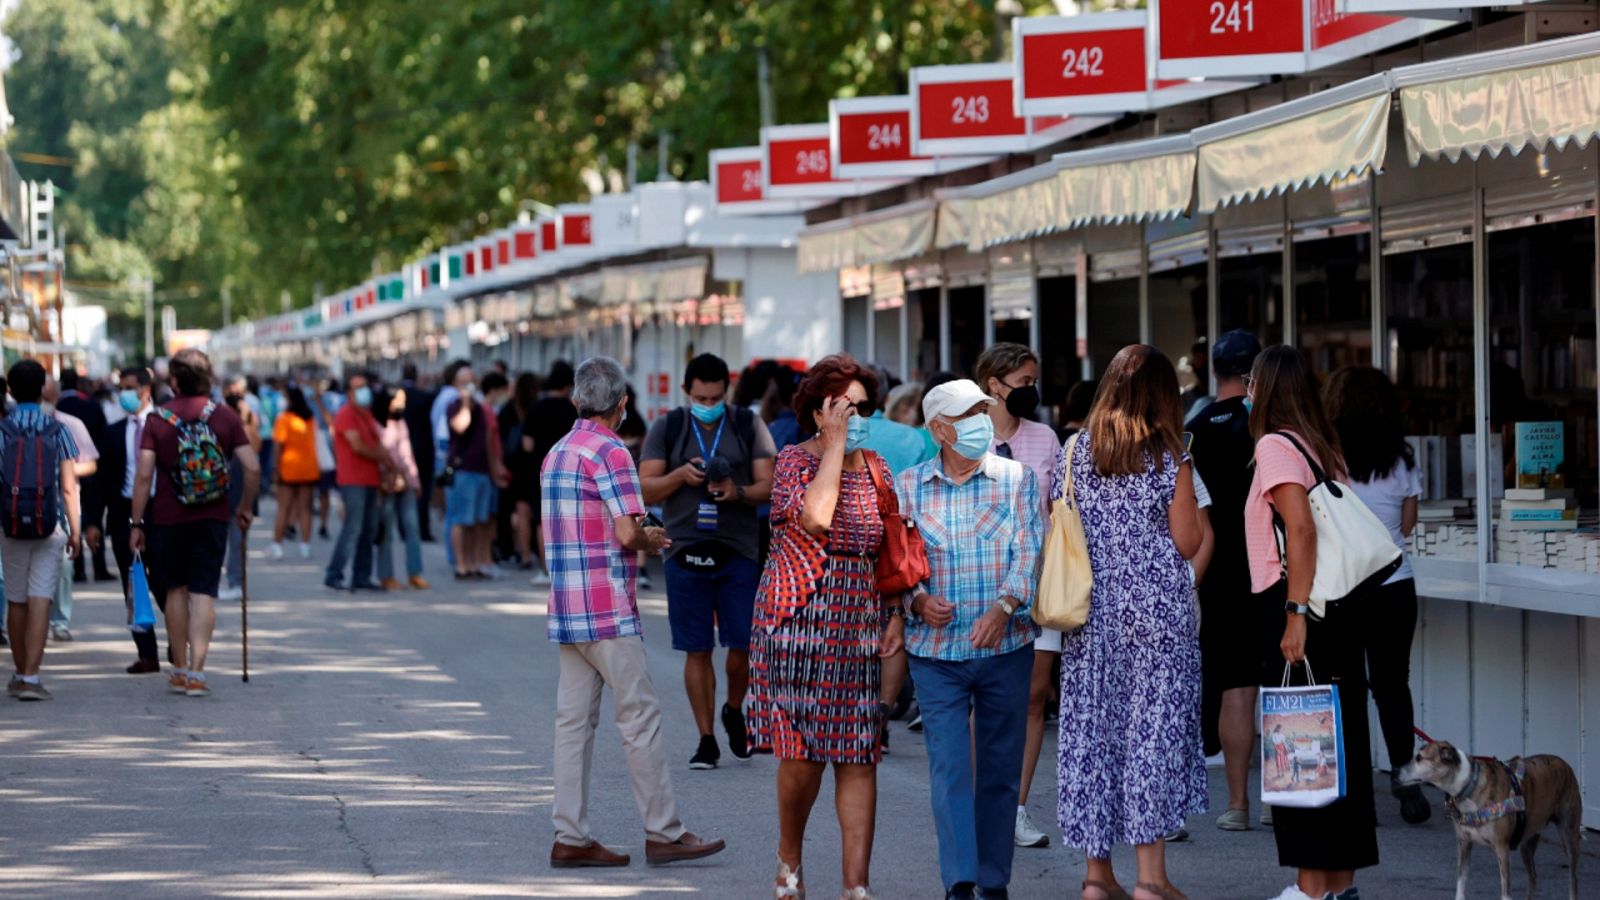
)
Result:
{"points": [[1302, 744]]}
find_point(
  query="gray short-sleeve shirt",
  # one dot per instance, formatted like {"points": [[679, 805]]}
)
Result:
{"points": [[737, 526]]}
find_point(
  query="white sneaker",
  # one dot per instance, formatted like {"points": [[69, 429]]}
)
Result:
{"points": [[1025, 834], [275, 550], [541, 578], [231, 593], [1266, 815], [1293, 892], [305, 550]]}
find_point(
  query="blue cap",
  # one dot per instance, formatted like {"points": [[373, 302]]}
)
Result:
{"points": [[1235, 352]]}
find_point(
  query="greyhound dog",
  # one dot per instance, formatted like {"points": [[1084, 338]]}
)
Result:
{"points": [[1503, 805]]}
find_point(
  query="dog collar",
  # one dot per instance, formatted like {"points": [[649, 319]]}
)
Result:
{"points": [[1514, 805]]}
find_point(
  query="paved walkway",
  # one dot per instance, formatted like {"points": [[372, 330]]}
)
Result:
{"points": [[399, 746]]}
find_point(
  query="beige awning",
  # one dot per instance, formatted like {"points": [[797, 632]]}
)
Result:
{"points": [[956, 220], [1319, 138], [659, 282], [881, 236], [1542, 94], [1131, 182], [1015, 207]]}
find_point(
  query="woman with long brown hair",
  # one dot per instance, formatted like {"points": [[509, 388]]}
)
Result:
{"points": [[1130, 768], [1365, 411], [1292, 432]]}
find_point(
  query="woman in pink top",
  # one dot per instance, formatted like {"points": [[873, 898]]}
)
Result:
{"points": [[1289, 423], [400, 487]]}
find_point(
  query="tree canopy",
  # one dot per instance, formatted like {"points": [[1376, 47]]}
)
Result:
{"points": [[272, 146]]}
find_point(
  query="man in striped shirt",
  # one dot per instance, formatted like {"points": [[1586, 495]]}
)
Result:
{"points": [[969, 633], [594, 525]]}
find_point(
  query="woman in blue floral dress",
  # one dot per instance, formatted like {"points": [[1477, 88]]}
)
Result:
{"points": [[1130, 767]]}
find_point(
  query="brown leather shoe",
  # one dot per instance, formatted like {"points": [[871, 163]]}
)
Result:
{"points": [[418, 582], [566, 856], [660, 853], [392, 584]]}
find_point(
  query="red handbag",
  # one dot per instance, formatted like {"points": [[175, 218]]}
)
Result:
{"points": [[903, 557]]}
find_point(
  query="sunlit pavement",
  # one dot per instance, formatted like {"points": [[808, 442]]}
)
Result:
{"points": [[398, 745]]}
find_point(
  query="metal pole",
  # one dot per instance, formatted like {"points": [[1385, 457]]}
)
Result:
{"points": [[1375, 288], [764, 86], [1291, 324], [149, 320], [227, 306], [664, 157]]}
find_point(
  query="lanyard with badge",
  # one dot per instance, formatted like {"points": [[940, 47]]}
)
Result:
{"points": [[706, 516]]}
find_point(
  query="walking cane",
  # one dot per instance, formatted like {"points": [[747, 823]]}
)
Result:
{"points": [[244, 599]]}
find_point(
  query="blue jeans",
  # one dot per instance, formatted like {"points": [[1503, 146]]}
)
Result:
{"points": [[360, 523], [399, 517], [975, 822]]}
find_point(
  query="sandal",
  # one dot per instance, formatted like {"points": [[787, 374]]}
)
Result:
{"points": [[1159, 891], [788, 885], [1110, 892], [859, 892]]}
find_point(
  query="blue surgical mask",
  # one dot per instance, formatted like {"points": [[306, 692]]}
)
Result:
{"points": [[1249, 404], [974, 434], [128, 400], [363, 396], [856, 430], [706, 414]]}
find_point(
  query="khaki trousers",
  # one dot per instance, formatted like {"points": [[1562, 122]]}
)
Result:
{"points": [[586, 668]]}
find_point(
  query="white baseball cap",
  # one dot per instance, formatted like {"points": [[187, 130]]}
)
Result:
{"points": [[953, 398]]}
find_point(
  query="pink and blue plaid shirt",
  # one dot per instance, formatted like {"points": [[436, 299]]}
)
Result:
{"points": [[587, 481], [983, 538]]}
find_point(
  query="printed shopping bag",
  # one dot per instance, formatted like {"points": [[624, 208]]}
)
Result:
{"points": [[144, 614], [1302, 744]]}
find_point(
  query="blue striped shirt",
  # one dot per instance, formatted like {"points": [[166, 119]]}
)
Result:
{"points": [[984, 537]]}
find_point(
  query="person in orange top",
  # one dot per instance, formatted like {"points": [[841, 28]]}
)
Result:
{"points": [[294, 435]]}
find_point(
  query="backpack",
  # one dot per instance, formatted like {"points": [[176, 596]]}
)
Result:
{"points": [[201, 473], [30, 481]]}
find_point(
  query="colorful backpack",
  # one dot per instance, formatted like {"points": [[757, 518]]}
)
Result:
{"points": [[30, 480], [201, 474]]}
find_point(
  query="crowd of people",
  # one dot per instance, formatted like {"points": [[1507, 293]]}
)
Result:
{"points": [[775, 511], [772, 496]]}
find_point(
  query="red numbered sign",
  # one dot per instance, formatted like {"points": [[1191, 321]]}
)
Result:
{"points": [[577, 229], [1269, 37], [797, 155], [525, 243], [549, 236], [1078, 57], [966, 110], [737, 181]]}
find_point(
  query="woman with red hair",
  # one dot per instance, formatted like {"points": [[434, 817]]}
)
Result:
{"points": [[821, 625]]}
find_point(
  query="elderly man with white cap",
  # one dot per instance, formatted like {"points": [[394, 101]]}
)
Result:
{"points": [[970, 635]]}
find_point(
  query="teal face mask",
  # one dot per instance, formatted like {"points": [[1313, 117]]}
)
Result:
{"points": [[706, 414], [128, 400], [363, 396], [974, 434], [856, 431]]}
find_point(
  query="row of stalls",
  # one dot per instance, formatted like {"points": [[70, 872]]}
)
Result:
{"points": [[1429, 210], [650, 278], [1435, 219]]}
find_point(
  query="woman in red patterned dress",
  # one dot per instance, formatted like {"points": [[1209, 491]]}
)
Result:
{"points": [[821, 626]]}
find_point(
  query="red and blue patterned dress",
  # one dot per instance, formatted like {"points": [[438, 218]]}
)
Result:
{"points": [[814, 664]]}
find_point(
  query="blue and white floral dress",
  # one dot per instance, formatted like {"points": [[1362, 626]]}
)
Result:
{"points": [[1130, 766]]}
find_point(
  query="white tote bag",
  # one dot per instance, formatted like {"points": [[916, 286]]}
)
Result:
{"points": [[1354, 549]]}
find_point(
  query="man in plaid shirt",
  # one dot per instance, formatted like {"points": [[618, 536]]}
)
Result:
{"points": [[969, 633], [594, 521]]}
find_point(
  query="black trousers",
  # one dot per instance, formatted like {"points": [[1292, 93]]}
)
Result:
{"points": [[1342, 835], [424, 500], [118, 512], [1389, 622]]}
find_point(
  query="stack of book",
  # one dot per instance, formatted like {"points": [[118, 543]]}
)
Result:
{"points": [[1538, 509]]}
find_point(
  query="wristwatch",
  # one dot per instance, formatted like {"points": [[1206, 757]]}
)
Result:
{"points": [[1298, 609], [1008, 605]]}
